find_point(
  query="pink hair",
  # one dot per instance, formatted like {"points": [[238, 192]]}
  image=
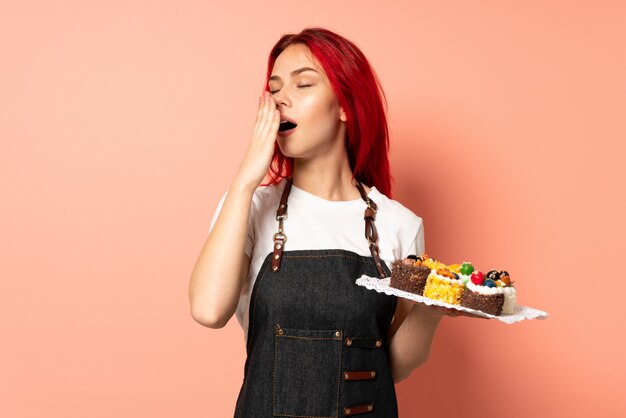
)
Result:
{"points": [[360, 94]]}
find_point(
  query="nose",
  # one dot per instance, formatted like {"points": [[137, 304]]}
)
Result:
{"points": [[281, 99]]}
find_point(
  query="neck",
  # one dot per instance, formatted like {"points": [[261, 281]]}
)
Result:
{"points": [[328, 178]]}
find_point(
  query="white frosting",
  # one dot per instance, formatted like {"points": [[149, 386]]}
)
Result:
{"points": [[485, 290], [510, 298]]}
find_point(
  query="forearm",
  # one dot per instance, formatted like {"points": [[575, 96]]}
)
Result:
{"points": [[410, 346], [218, 274]]}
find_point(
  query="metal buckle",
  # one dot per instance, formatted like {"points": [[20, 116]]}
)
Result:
{"points": [[369, 205], [280, 236]]}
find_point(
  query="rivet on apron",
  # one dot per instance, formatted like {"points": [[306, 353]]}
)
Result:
{"points": [[349, 342], [276, 256], [275, 268], [373, 374], [379, 343], [347, 411], [346, 376], [338, 334]]}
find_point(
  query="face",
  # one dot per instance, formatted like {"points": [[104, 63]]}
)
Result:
{"points": [[304, 95]]}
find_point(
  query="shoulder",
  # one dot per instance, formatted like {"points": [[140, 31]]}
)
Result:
{"points": [[266, 197], [395, 213], [400, 230]]}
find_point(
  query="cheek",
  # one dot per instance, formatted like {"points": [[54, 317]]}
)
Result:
{"points": [[310, 107], [317, 107]]}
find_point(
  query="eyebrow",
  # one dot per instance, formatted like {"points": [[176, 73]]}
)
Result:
{"points": [[294, 73]]}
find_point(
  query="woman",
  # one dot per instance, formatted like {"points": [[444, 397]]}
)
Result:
{"points": [[285, 256]]}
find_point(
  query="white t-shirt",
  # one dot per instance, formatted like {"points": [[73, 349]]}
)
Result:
{"points": [[314, 223]]}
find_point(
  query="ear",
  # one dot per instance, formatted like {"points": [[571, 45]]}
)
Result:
{"points": [[342, 115]]}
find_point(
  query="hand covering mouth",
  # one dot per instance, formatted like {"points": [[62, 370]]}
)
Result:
{"points": [[286, 125]]}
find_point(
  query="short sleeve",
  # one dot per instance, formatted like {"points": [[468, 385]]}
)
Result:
{"points": [[418, 246], [249, 244]]}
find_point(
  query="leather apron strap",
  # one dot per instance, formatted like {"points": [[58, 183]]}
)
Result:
{"points": [[370, 228], [280, 238]]}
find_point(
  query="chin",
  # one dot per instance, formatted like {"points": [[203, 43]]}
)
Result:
{"points": [[288, 148]]}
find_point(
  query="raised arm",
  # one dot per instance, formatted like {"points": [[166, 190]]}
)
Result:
{"points": [[222, 266]]}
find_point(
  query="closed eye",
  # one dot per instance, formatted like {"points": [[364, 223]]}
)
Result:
{"points": [[299, 86]]}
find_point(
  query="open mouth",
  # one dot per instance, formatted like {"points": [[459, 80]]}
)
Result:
{"points": [[286, 125]]}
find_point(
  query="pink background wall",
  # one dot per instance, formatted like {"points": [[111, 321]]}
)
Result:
{"points": [[122, 123]]}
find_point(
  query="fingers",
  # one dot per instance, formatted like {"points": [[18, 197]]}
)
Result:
{"points": [[272, 120], [442, 310], [275, 123], [258, 157], [454, 312], [266, 113], [268, 118], [261, 115], [451, 312], [259, 112]]}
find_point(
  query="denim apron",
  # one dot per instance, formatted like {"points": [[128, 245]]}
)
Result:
{"points": [[317, 343]]}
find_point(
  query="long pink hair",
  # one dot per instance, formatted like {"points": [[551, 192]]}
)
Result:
{"points": [[360, 94]]}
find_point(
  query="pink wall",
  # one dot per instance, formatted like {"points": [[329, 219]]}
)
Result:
{"points": [[508, 132]]}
